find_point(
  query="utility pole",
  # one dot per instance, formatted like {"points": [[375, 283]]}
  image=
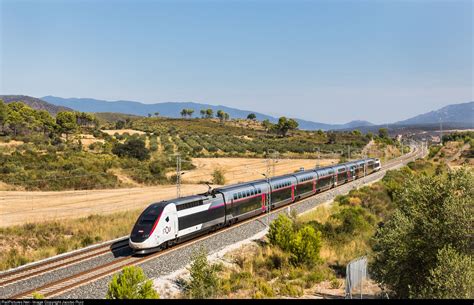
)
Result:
{"points": [[271, 160], [348, 152], [440, 132], [319, 157], [178, 175]]}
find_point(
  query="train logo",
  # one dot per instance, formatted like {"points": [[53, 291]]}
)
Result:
{"points": [[166, 230]]}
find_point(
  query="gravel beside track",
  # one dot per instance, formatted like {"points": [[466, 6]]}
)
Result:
{"points": [[45, 278], [174, 260]]}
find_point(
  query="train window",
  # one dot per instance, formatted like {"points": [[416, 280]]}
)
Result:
{"points": [[240, 195], [235, 196], [252, 192], [248, 193]]}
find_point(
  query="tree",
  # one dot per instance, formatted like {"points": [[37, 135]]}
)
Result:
{"points": [[184, 113], [267, 125], [131, 283], [133, 148], [67, 122], [383, 133], [305, 246], [3, 114], [209, 113], [119, 124], [452, 278], [281, 232], [221, 115], [356, 132], [157, 114], [47, 122], [332, 138], [203, 282], [84, 119], [284, 125], [203, 113], [433, 212], [226, 116], [251, 116], [190, 112]]}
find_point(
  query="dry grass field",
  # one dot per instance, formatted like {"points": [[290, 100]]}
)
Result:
{"points": [[244, 169], [19, 207]]}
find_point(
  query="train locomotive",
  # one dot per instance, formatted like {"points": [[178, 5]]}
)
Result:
{"points": [[165, 223]]}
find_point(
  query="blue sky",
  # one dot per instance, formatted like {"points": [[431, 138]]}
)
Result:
{"points": [[329, 61]]}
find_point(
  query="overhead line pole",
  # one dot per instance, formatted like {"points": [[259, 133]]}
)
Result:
{"points": [[178, 175]]}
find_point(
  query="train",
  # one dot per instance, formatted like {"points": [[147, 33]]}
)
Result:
{"points": [[166, 223]]}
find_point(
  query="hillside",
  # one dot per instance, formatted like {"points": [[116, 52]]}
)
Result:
{"points": [[34, 103], [455, 113], [173, 109]]}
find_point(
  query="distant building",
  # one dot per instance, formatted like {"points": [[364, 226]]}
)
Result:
{"points": [[435, 139]]}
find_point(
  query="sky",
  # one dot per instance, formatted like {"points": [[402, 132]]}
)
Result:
{"points": [[326, 61]]}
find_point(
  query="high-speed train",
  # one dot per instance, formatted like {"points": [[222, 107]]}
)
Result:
{"points": [[166, 223]]}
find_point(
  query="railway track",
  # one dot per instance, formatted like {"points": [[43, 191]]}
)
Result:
{"points": [[63, 285], [23, 273]]}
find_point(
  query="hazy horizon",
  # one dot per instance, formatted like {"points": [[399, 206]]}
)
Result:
{"points": [[323, 61]]}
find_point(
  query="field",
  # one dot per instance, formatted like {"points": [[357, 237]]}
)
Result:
{"points": [[244, 169], [19, 207]]}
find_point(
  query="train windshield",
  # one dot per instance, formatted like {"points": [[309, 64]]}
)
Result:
{"points": [[150, 215], [145, 222]]}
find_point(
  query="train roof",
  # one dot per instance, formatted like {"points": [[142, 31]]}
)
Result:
{"points": [[240, 185], [278, 178], [180, 200]]}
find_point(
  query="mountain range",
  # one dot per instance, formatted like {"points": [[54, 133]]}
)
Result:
{"points": [[458, 115], [34, 103], [173, 109]]}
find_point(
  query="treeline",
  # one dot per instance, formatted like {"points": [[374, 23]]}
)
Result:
{"points": [[465, 137], [18, 119]]}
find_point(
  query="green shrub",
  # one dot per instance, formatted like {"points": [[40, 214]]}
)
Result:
{"points": [[131, 283], [265, 289], [335, 284], [37, 296], [133, 148], [291, 290], [451, 278], [203, 282], [305, 246], [218, 177], [281, 232]]}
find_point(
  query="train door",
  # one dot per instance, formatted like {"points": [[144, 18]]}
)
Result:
{"points": [[292, 193]]}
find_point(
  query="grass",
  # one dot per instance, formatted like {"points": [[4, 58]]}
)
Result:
{"points": [[31, 242], [265, 271]]}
